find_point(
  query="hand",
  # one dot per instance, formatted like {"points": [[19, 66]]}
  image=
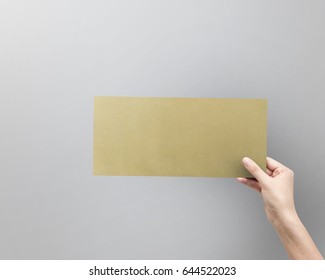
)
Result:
{"points": [[275, 186]]}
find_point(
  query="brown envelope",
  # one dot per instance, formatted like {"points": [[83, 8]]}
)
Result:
{"points": [[197, 137]]}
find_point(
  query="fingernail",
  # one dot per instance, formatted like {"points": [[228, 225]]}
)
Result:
{"points": [[246, 161], [242, 180]]}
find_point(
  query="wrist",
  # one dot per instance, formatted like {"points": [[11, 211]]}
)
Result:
{"points": [[286, 220]]}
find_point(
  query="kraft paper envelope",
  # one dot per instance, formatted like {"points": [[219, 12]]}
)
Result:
{"points": [[197, 137]]}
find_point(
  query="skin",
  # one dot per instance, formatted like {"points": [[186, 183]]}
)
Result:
{"points": [[276, 188]]}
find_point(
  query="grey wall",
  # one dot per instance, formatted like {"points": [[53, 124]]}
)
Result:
{"points": [[55, 56]]}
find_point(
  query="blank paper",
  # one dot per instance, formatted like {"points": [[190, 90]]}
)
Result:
{"points": [[160, 136]]}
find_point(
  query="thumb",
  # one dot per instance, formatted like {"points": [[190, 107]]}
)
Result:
{"points": [[254, 169]]}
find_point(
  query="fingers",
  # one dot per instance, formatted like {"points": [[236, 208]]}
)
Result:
{"points": [[254, 169], [269, 172], [272, 164], [250, 183]]}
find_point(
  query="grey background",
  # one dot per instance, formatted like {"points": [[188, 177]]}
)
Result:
{"points": [[55, 56]]}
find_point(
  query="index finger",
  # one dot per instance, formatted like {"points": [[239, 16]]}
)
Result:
{"points": [[272, 164]]}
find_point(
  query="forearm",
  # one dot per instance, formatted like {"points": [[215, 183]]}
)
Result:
{"points": [[296, 239]]}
